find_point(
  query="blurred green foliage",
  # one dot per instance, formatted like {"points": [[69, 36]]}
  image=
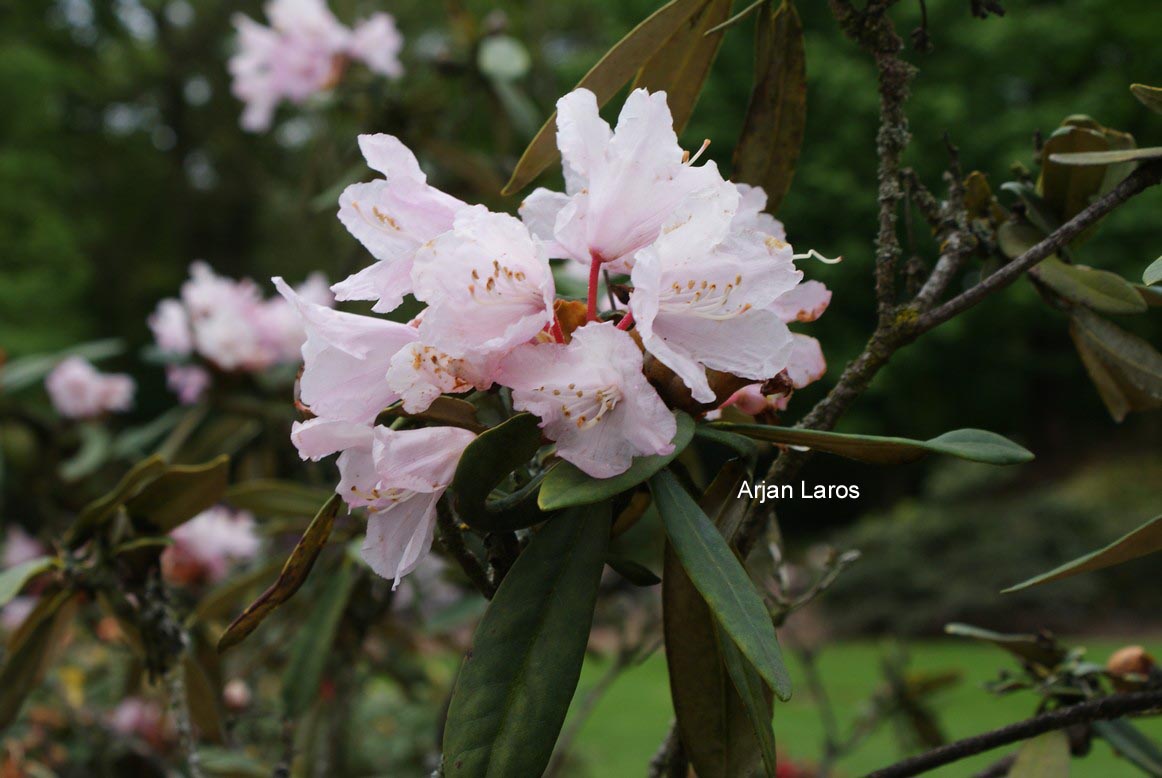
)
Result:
{"points": [[946, 554], [121, 161]]}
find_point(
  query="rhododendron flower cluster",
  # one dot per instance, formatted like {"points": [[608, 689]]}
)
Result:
{"points": [[303, 52], [230, 326], [713, 286], [209, 545], [80, 391]]}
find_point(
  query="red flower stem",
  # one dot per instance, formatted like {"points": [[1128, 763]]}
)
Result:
{"points": [[558, 333], [626, 321], [594, 277]]}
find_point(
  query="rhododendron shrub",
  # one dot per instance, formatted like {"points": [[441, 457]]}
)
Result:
{"points": [[221, 325], [302, 53], [712, 284]]}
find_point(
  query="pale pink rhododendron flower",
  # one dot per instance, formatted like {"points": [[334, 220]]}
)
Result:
{"points": [[302, 53], [700, 304], [412, 470], [487, 283], [804, 303], [392, 217], [592, 398], [345, 360], [623, 186], [139, 717], [208, 546], [713, 286], [80, 391], [228, 324]]}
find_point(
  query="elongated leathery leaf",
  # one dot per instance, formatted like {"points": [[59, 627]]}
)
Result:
{"points": [[14, 578], [723, 583], [31, 650], [970, 444], [518, 677], [681, 65], [180, 493], [1146, 539], [566, 485], [1099, 290], [485, 464], [308, 659], [772, 133], [611, 73], [271, 497], [712, 720], [294, 573]]}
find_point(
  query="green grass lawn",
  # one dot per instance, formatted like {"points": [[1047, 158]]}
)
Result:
{"points": [[629, 722]]}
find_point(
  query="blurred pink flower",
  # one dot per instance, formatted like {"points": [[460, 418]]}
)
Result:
{"points": [[207, 546], [302, 53], [592, 398], [138, 717], [79, 391], [188, 382]]}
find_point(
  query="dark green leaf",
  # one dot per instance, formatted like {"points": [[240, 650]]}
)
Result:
{"points": [[721, 579], [681, 65], [772, 132], [1131, 357], [634, 572], [755, 696], [1015, 238], [486, 463], [1045, 756], [273, 498], [444, 410], [30, 651], [293, 574], [566, 485], [14, 578], [1032, 648], [1151, 96], [611, 73], [716, 733], [312, 647], [1146, 539], [1128, 741], [518, 677], [1153, 273], [1099, 290], [96, 513], [1067, 189], [970, 444], [1037, 211], [223, 600], [1088, 158], [180, 493]]}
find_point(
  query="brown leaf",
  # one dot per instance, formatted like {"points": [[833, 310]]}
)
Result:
{"points": [[604, 79], [772, 133], [294, 574], [681, 65]]}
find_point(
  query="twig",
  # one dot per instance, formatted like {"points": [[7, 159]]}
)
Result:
{"points": [[670, 760], [1144, 177], [179, 706], [1112, 707], [453, 542]]}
